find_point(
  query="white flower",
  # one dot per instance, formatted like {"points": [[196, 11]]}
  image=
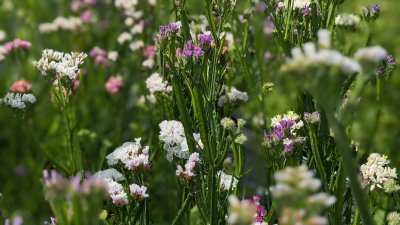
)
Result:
{"points": [[173, 135], [233, 95], [148, 63], [124, 37], [371, 54], [62, 64], [138, 192], [2, 35], [136, 45], [156, 84], [110, 174], [116, 192], [131, 154], [112, 55], [69, 24], [226, 182], [18, 100], [324, 38], [376, 172], [298, 4], [240, 212], [347, 20]]}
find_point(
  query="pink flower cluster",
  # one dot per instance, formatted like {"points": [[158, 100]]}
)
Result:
{"points": [[21, 86], [16, 44], [138, 192], [114, 83], [189, 172], [261, 211], [99, 56], [81, 4]]}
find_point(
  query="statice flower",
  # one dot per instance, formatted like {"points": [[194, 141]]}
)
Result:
{"points": [[62, 65], [16, 44], [393, 218], [371, 12], [347, 20], [372, 54], [18, 220], [113, 84], [99, 55], [376, 172], [191, 164], [21, 86], [232, 95], [138, 192], [124, 37], [117, 193], [18, 100], [3, 35], [61, 23], [173, 135], [284, 130], [132, 155], [312, 118], [168, 30], [110, 174], [226, 182], [299, 183], [156, 84], [311, 57], [298, 4], [240, 212]]}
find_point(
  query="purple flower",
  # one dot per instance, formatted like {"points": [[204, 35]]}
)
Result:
{"points": [[373, 9], [174, 27], [306, 11], [198, 52], [391, 60], [205, 39], [288, 145], [287, 123], [295, 31], [278, 133]]}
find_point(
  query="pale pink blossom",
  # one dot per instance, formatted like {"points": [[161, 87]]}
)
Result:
{"points": [[21, 86], [114, 83]]}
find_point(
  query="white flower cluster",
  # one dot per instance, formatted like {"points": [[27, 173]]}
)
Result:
{"points": [[61, 23], [376, 172], [190, 165], [226, 182], [156, 84], [117, 193], [309, 56], [131, 154], [138, 192], [298, 4], [347, 20], [62, 64], [299, 183], [232, 95], [18, 100], [173, 135], [370, 54], [3, 35], [110, 174]]}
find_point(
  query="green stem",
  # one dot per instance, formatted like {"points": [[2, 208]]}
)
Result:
{"points": [[317, 157], [182, 209], [349, 168]]}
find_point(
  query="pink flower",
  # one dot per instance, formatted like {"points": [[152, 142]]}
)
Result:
{"points": [[114, 83], [85, 16], [21, 86], [149, 52], [15, 44]]}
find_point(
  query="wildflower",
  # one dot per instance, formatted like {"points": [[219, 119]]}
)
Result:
{"points": [[136, 45], [138, 192], [124, 37], [114, 83], [53, 221], [156, 84], [18, 220], [240, 139], [131, 154], [112, 55], [233, 95], [18, 100], [63, 65], [347, 20], [324, 39], [391, 60], [116, 193], [376, 172], [228, 123], [16, 44], [298, 4], [391, 186], [284, 131], [99, 55], [86, 16], [3, 35], [189, 171], [205, 40], [21, 86], [173, 135], [226, 182], [370, 54], [110, 174], [306, 11], [312, 118], [393, 218], [61, 23], [240, 212]]}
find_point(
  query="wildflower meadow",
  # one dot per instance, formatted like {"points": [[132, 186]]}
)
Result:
{"points": [[199, 112]]}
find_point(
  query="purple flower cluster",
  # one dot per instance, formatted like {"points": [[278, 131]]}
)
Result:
{"points": [[166, 31], [284, 132], [391, 60], [188, 173], [373, 9], [260, 209], [306, 11], [205, 40], [190, 50], [371, 12]]}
